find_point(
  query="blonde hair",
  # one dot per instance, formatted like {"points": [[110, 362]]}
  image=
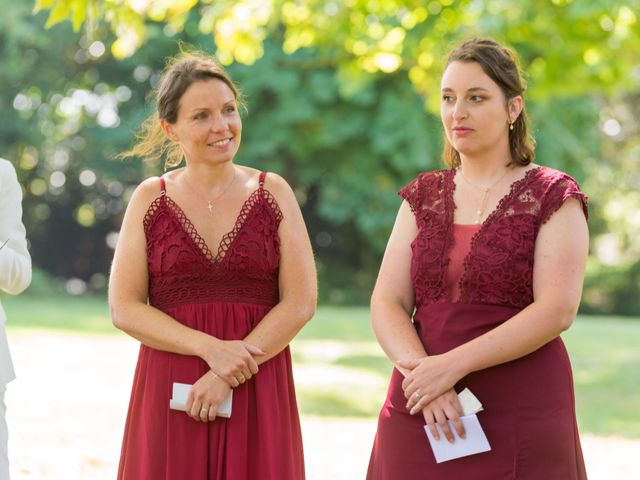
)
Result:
{"points": [[178, 75], [501, 65]]}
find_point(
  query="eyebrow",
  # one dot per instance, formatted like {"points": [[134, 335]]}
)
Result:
{"points": [[472, 89], [202, 109]]}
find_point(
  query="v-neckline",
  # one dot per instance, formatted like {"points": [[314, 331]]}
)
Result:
{"points": [[227, 239], [515, 187]]}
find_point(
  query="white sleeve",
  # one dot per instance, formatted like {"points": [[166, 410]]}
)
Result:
{"points": [[15, 262]]}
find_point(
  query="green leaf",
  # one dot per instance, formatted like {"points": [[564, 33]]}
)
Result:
{"points": [[59, 13], [79, 14]]}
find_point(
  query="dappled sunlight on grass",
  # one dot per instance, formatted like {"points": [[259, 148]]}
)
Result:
{"points": [[340, 379], [341, 371]]}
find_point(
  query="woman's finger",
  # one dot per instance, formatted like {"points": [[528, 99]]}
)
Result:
{"points": [[213, 410], [204, 413], [453, 415], [422, 402], [444, 425]]}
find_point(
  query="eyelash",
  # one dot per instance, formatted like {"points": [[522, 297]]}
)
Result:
{"points": [[473, 98], [201, 116]]}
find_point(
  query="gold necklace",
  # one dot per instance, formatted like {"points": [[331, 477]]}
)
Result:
{"points": [[210, 202], [485, 195]]}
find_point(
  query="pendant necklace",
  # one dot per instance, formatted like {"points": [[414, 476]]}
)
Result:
{"points": [[210, 202], [485, 195]]}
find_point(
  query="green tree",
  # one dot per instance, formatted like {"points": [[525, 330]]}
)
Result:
{"points": [[341, 101]]}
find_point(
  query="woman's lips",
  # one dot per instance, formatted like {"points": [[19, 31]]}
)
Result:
{"points": [[462, 131]]}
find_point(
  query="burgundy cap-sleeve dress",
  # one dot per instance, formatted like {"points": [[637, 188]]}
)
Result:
{"points": [[469, 279]]}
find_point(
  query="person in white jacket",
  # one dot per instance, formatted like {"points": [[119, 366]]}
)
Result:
{"points": [[15, 276]]}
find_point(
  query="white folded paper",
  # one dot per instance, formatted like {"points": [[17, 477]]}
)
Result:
{"points": [[181, 392], [475, 440], [469, 403]]}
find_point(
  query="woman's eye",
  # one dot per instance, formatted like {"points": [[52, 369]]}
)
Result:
{"points": [[200, 116], [230, 109], [477, 98], [446, 98]]}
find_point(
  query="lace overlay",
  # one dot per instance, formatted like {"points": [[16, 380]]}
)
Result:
{"points": [[498, 269], [182, 268]]}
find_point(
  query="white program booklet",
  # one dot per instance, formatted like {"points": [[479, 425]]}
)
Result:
{"points": [[475, 440], [181, 392]]}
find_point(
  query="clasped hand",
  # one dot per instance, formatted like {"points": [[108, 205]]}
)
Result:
{"points": [[205, 396], [233, 361], [428, 388]]}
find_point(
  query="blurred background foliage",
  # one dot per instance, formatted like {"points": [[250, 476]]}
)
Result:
{"points": [[343, 99]]}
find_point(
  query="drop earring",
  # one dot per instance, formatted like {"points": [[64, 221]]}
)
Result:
{"points": [[511, 127]]}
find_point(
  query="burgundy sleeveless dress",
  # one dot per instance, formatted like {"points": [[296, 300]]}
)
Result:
{"points": [[468, 280], [225, 294]]}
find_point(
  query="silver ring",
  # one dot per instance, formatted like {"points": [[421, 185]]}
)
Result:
{"points": [[417, 395]]}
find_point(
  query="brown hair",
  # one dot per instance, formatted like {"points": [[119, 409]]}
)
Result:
{"points": [[179, 74], [501, 65]]}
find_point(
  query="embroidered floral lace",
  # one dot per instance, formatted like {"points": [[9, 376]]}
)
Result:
{"points": [[498, 269], [244, 269]]}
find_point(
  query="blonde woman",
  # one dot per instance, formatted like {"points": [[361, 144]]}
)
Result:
{"points": [[214, 274]]}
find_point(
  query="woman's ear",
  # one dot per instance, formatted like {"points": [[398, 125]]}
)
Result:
{"points": [[514, 107], [168, 130]]}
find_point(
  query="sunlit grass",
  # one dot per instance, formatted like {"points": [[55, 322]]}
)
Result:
{"points": [[341, 371]]}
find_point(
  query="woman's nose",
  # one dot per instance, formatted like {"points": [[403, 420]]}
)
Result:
{"points": [[459, 110], [218, 123]]}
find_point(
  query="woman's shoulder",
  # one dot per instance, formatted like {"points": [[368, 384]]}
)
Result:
{"points": [[555, 187], [549, 175], [425, 183]]}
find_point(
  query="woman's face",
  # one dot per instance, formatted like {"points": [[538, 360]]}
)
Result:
{"points": [[474, 111], [208, 126]]}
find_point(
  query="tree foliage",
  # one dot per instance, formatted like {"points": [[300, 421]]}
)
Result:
{"points": [[342, 102]]}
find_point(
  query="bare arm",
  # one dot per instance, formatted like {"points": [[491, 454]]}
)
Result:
{"points": [[297, 278], [559, 265], [128, 292], [392, 301]]}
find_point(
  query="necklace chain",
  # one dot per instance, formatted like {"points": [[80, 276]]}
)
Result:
{"points": [[485, 195], [211, 201]]}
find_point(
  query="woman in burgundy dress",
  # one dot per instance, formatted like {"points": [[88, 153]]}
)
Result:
{"points": [[214, 274], [482, 273]]}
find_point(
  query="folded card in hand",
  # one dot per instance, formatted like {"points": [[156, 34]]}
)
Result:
{"points": [[181, 392], [475, 440]]}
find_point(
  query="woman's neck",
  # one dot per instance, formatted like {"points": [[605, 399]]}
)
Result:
{"points": [[209, 177]]}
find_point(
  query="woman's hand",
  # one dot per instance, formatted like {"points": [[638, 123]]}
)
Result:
{"points": [[445, 407], [428, 378], [205, 396], [233, 360]]}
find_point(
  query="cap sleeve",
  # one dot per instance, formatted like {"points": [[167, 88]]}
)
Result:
{"points": [[562, 188], [413, 193]]}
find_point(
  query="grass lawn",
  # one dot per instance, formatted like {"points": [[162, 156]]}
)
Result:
{"points": [[341, 371]]}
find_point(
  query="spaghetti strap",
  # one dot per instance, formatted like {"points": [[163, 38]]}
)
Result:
{"points": [[163, 187], [263, 175]]}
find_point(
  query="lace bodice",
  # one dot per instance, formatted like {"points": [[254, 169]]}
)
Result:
{"points": [[244, 269], [498, 269]]}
